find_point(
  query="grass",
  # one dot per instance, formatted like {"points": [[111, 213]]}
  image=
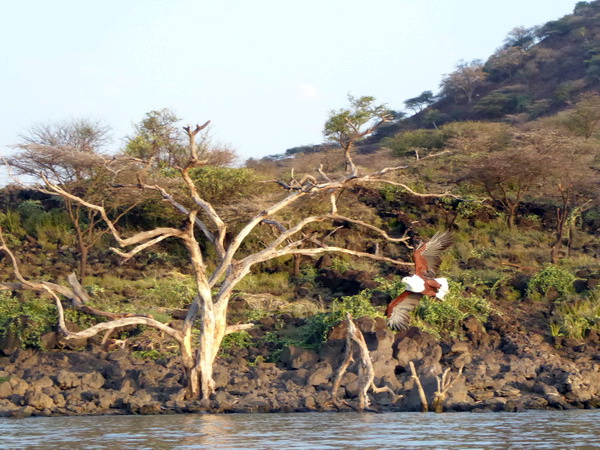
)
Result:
{"points": [[575, 318]]}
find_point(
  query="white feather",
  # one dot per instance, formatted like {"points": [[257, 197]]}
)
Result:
{"points": [[414, 283], [443, 290]]}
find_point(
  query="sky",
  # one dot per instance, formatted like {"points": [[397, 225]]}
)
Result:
{"points": [[265, 72]]}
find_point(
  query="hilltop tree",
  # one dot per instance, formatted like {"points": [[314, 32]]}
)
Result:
{"points": [[203, 228], [419, 103], [68, 154], [464, 81], [347, 126], [159, 137], [521, 37]]}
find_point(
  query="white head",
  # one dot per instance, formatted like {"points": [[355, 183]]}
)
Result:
{"points": [[414, 283]]}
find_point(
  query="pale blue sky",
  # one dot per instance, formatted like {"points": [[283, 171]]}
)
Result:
{"points": [[266, 72]]}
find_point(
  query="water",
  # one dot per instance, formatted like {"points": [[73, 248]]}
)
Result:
{"points": [[531, 429]]}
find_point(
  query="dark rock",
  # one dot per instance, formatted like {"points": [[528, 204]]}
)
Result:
{"points": [[298, 357], [224, 401], [67, 380], [49, 340], [320, 374], [93, 380], [9, 342]]}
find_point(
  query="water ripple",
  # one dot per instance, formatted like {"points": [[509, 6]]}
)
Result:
{"points": [[531, 429]]}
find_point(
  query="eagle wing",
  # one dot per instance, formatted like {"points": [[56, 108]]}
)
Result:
{"points": [[398, 311], [428, 256]]}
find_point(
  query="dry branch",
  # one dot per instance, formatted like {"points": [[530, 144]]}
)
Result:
{"points": [[424, 404], [366, 374]]}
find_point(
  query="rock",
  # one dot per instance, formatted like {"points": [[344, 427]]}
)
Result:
{"points": [[67, 380], [460, 347], [9, 342], [44, 382], [141, 403], [107, 398], [5, 390], [93, 380], [310, 402], [39, 400], [524, 367], [126, 387], [320, 375], [298, 357], [49, 340], [224, 401], [22, 413], [19, 387]]}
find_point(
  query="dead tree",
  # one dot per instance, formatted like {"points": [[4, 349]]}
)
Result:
{"points": [[444, 382], [215, 282], [366, 374]]}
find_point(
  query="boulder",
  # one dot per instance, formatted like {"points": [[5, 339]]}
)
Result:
{"points": [[298, 358], [93, 380], [321, 374], [39, 400], [67, 380]]}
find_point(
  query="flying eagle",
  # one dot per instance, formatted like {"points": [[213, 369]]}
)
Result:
{"points": [[427, 258]]}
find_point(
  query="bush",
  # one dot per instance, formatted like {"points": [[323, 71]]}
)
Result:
{"points": [[575, 319], [445, 317], [224, 185], [554, 278], [240, 339], [406, 143], [26, 319]]}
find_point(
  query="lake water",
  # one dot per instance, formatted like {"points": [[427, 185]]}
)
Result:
{"points": [[530, 429]]}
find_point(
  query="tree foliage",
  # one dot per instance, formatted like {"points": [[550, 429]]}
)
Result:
{"points": [[419, 103], [347, 126], [464, 81]]}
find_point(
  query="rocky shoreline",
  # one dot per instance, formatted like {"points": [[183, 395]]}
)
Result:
{"points": [[505, 369]]}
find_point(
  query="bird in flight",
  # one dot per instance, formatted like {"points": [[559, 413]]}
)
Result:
{"points": [[427, 258]]}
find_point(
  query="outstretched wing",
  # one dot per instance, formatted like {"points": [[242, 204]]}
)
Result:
{"points": [[398, 311], [428, 256]]}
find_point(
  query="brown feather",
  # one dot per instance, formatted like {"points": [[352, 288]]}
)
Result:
{"points": [[398, 311], [427, 256]]}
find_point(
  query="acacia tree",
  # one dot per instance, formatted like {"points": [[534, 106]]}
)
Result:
{"points": [[68, 153], [215, 282], [508, 175], [347, 126], [465, 80], [159, 137], [419, 103]]}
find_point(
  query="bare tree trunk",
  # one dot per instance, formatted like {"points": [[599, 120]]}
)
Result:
{"points": [[366, 374], [424, 403]]}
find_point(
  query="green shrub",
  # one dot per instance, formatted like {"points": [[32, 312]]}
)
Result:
{"points": [[148, 354], [576, 318], [224, 185], [445, 317], [422, 140], [11, 222], [552, 277], [240, 339], [26, 319]]}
